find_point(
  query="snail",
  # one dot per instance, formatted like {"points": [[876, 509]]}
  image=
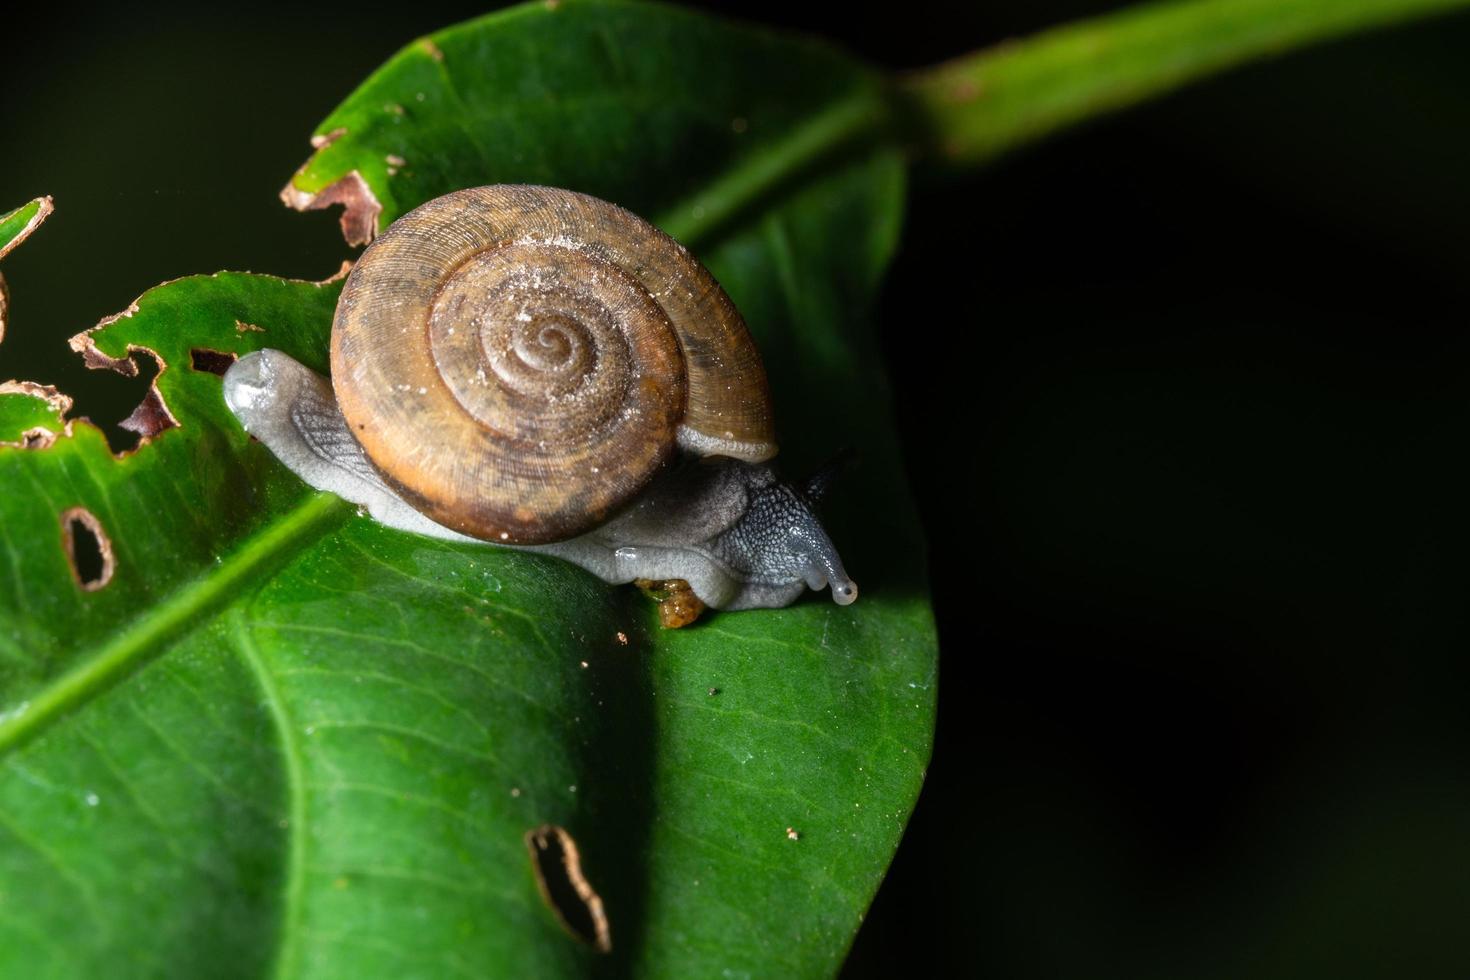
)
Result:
{"points": [[537, 368]]}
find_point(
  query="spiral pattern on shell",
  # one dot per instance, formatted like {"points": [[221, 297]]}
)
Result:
{"points": [[518, 361]]}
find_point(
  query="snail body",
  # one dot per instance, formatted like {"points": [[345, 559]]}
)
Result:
{"points": [[537, 368]]}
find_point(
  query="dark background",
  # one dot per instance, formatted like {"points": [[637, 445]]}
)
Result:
{"points": [[1185, 397]]}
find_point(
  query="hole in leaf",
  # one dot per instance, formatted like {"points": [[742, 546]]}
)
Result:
{"points": [[88, 548], [558, 869], [150, 416], [37, 438], [213, 361]]}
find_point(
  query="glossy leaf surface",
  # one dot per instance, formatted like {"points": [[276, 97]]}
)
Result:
{"points": [[283, 739]]}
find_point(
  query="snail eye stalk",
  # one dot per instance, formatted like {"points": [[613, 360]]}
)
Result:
{"points": [[818, 560]]}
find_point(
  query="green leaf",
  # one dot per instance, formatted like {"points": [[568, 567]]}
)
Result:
{"points": [[18, 224], [596, 97], [15, 227], [31, 414], [283, 739]]}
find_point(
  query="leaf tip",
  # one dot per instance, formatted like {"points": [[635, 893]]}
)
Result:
{"points": [[44, 206]]}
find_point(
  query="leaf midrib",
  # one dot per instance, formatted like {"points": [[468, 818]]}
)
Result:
{"points": [[183, 610]]}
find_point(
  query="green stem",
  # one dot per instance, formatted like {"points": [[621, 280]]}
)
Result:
{"points": [[978, 106], [696, 218]]}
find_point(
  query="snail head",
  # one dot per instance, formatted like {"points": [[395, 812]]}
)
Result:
{"points": [[781, 538]]}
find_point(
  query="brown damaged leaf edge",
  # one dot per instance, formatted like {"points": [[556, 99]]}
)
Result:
{"points": [[360, 206], [88, 549], [559, 878], [39, 437], [84, 345], [152, 415], [42, 213], [341, 273]]}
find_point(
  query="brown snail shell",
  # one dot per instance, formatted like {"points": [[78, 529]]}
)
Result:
{"points": [[519, 361]]}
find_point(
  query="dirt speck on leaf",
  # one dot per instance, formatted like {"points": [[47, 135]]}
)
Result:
{"points": [[428, 47], [558, 867], [321, 140], [88, 549], [678, 606]]}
